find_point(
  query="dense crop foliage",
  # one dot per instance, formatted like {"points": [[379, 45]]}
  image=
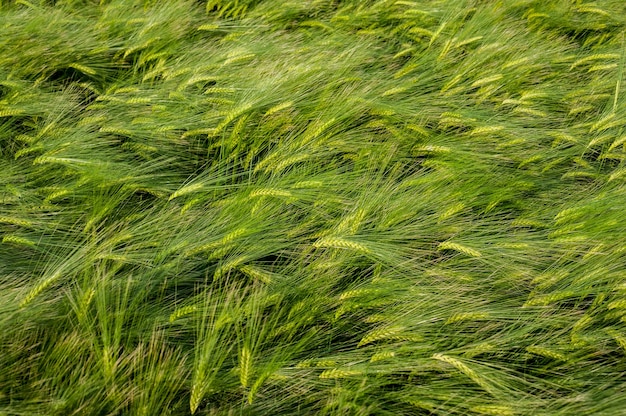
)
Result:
{"points": [[285, 207]]}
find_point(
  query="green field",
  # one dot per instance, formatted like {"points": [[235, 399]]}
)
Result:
{"points": [[312, 207]]}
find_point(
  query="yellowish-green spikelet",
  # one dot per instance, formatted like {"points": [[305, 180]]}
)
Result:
{"points": [[339, 373], [317, 131], [229, 265], [546, 352], [450, 212], [15, 221], [270, 192], [245, 366], [544, 300], [341, 243], [36, 291], [257, 273], [287, 162], [383, 355], [619, 338], [486, 130], [380, 334], [10, 112], [356, 293], [449, 245], [486, 80], [467, 316], [180, 312], [351, 222], [596, 57], [279, 107], [325, 363], [17, 240], [617, 304], [463, 368]]}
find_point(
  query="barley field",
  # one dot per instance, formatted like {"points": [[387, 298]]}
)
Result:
{"points": [[312, 207]]}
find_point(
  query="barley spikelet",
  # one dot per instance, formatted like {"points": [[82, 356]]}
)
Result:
{"points": [[617, 304], [15, 221], [214, 90], [56, 195], [186, 190], [325, 363], [337, 373], [486, 130], [207, 27], [138, 100], [17, 240], [479, 349], [579, 109], [317, 132], [455, 209], [605, 67], [220, 251], [467, 316], [11, 112], [618, 337], [393, 91], [596, 57], [617, 174], [545, 352], [60, 160], [487, 80], [429, 149], [83, 68], [245, 366], [549, 299], [351, 222], [455, 80], [449, 245], [618, 142], [36, 291], [307, 184], [193, 202], [198, 132], [257, 273], [356, 292], [270, 192], [239, 58], [463, 368], [530, 160], [232, 115], [380, 334], [287, 162], [337, 242], [582, 323], [494, 410], [197, 394], [144, 45], [279, 107], [230, 264], [116, 130], [530, 112], [383, 355], [180, 312], [404, 52], [375, 318]]}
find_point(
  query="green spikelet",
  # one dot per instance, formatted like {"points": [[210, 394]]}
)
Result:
{"points": [[338, 373], [245, 366], [449, 245], [180, 312]]}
